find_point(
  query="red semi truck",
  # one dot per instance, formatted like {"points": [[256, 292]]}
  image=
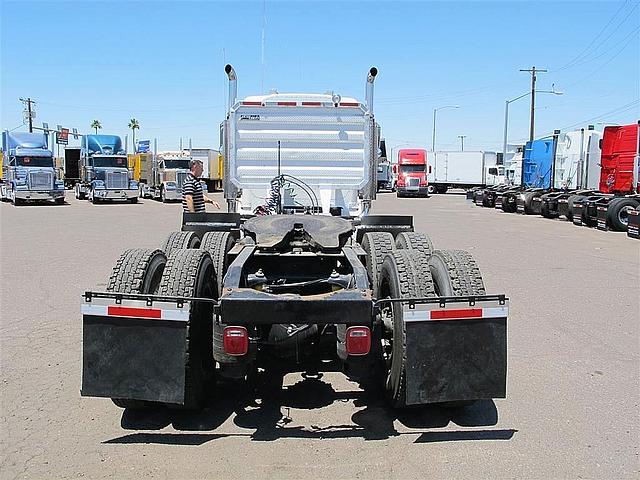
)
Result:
{"points": [[412, 172], [619, 182]]}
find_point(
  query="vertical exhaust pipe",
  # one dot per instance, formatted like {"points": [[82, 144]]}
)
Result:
{"points": [[373, 71], [233, 84]]}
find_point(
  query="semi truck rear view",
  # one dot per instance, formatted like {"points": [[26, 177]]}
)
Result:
{"points": [[28, 169], [310, 283]]}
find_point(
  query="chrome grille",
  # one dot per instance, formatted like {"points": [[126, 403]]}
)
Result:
{"points": [[117, 180], [41, 180], [414, 182], [180, 176]]}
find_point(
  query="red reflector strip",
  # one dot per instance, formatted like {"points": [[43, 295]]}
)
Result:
{"points": [[462, 313], [287, 104], [116, 311], [349, 104], [311, 104], [255, 104]]}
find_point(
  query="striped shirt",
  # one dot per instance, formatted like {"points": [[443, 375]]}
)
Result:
{"points": [[192, 186]]}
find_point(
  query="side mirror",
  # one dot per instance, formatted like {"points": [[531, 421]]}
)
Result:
{"points": [[493, 171], [429, 168]]}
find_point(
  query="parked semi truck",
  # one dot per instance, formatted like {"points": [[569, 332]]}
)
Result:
{"points": [[162, 175], [576, 171], [28, 169], [412, 173], [212, 164], [619, 182], [463, 170], [229, 295], [104, 171]]}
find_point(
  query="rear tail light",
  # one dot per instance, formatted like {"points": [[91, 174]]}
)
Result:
{"points": [[358, 340], [235, 340]]}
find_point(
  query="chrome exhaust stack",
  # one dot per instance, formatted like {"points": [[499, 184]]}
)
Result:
{"points": [[373, 71], [233, 84]]}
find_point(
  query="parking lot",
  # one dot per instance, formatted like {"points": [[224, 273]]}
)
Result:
{"points": [[572, 407]]}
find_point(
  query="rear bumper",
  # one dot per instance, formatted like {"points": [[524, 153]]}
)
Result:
{"points": [[412, 191], [246, 307], [39, 194], [108, 194]]}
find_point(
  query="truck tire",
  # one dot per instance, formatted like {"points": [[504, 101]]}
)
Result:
{"points": [[507, 206], [455, 273], [377, 245], [403, 274], [544, 210], [218, 245], [414, 241], [180, 240], [190, 273], [618, 213], [138, 270], [528, 202], [431, 189], [59, 201], [133, 200]]}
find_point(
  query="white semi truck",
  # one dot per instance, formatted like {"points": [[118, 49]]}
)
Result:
{"points": [[460, 169], [320, 149]]}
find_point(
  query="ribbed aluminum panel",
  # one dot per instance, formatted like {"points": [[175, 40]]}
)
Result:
{"points": [[41, 180], [117, 180], [325, 147]]}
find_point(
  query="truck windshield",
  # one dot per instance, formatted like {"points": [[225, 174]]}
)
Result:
{"points": [[177, 164], [411, 168], [34, 161], [113, 162]]}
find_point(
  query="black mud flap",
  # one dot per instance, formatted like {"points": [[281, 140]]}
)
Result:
{"points": [[577, 213], [602, 218], [633, 230], [453, 357], [133, 351]]}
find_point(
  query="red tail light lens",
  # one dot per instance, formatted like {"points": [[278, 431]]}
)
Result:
{"points": [[235, 341], [358, 340]]}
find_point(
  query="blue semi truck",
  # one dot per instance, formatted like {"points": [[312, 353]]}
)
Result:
{"points": [[28, 169], [104, 171]]}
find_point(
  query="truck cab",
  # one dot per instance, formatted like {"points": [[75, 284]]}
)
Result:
{"points": [[162, 176], [28, 169], [104, 170], [412, 172]]}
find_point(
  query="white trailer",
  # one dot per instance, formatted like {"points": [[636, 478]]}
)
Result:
{"points": [[314, 152], [463, 170]]}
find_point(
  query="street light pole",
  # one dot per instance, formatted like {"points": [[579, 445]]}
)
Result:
{"points": [[506, 118], [532, 71], [461, 137], [433, 137]]}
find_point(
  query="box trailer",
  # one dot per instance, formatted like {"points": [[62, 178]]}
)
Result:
{"points": [[463, 170], [71, 166]]}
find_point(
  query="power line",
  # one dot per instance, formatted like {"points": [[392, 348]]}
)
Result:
{"points": [[586, 49]]}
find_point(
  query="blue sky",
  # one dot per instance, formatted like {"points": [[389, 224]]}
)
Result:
{"points": [[162, 63]]}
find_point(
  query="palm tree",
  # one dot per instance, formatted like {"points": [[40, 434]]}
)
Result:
{"points": [[133, 124], [96, 124]]}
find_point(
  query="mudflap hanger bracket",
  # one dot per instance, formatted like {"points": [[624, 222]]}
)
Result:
{"points": [[134, 346], [456, 347]]}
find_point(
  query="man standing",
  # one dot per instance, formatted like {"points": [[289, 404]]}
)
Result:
{"points": [[193, 199]]}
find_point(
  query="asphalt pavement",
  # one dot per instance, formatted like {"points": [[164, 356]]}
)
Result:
{"points": [[572, 407]]}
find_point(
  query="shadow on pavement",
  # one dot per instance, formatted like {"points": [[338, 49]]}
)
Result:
{"points": [[264, 408]]}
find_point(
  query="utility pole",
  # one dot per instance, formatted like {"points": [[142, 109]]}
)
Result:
{"points": [[461, 137], [533, 71], [30, 112]]}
